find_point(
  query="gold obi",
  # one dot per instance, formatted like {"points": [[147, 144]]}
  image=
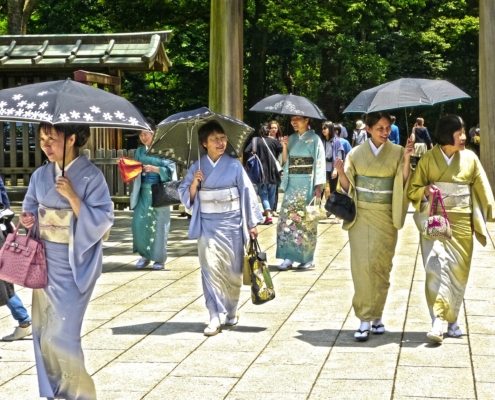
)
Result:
{"points": [[374, 190], [54, 224], [300, 165]]}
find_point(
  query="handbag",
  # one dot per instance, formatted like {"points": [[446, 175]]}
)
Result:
{"points": [[438, 226], [254, 168], [341, 206], [22, 260], [261, 282], [165, 194], [314, 211], [129, 169]]}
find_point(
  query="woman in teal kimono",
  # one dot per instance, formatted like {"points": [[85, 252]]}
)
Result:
{"points": [[150, 225], [304, 173]]}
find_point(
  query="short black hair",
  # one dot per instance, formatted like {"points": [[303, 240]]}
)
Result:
{"points": [[373, 118], [81, 132], [337, 128], [446, 127], [208, 129]]}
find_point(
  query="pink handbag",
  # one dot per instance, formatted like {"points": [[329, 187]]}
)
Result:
{"points": [[438, 226], [22, 260]]}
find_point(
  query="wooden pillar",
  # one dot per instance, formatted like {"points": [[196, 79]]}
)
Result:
{"points": [[226, 58], [487, 88]]}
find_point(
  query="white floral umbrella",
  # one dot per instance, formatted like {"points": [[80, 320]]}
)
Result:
{"points": [[69, 102], [288, 104]]}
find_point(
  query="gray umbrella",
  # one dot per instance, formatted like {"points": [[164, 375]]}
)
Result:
{"points": [[288, 104], [176, 137], [404, 92]]}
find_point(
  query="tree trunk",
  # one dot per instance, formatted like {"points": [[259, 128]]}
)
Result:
{"points": [[226, 57], [257, 61], [487, 88], [18, 15], [328, 71]]}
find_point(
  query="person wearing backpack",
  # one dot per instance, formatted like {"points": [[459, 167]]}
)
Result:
{"points": [[268, 150]]}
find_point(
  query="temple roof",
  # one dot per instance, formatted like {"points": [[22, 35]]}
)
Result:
{"points": [[143, 51]]}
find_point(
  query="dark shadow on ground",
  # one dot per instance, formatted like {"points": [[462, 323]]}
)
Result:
{"points": [[172, 328]]}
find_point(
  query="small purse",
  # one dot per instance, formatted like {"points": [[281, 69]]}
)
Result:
{"points": [[438, 226], [262, 289], [165, 194], [22, 260], [341, 206], [129, 169], [314, 211]]}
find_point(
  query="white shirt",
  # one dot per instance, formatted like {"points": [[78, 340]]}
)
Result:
{"points": [[374, 149], [447, 159], [58, 170], [213, 164]]}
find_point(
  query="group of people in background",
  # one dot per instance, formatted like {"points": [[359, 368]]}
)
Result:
{"points": [[375, 173]]}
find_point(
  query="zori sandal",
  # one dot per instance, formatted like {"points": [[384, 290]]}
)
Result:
{"points": [[378, 329], [362, 336]]}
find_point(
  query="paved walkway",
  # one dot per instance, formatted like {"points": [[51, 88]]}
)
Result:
{"points": [[143, 332]]}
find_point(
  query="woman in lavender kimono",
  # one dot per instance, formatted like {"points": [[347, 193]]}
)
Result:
{"points": [[303, 157], [73, 210], [225, 215], [150, 225]]}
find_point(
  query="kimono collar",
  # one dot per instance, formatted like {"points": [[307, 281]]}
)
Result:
{"points": [[58, 170], [301, 137], [447, 159], [213, 164], [374, 149]]}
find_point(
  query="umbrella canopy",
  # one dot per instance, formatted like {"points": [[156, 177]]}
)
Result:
{"points": [[405, 92], [69, 102], [176, 137], [288, 104]]}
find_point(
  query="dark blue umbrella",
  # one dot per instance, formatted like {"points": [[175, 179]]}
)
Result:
{"points": [[69, 102], [404, 92], [288, 104], [176, 137]]}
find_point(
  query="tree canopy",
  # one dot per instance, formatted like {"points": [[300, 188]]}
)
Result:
{"points": [[326, 50]]}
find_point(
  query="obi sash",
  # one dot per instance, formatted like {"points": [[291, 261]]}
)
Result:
{"points": [[301, 165], [374, 190], [455, 194], [54, 224], [215, 201]]}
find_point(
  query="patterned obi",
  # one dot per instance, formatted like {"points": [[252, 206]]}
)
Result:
{"points": [[455, 194], [301, 165], [374, 190], [54, 224], [216, 201]]}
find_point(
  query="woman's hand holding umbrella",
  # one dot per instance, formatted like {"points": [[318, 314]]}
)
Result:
{"points": [[64, 187], [197, 178]]}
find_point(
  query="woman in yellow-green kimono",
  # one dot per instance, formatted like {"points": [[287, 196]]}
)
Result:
{"points": [[469, 202], [374, 176]]}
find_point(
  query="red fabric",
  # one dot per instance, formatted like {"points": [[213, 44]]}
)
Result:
{"points": [[129, 169]]}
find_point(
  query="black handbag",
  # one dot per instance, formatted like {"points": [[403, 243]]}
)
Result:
{"points": [[165, 194], [341, 206]]}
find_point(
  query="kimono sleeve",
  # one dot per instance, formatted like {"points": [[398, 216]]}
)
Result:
{"points": [[320, 173], [251, 212], [195, 224], [30, 202], [417, 183], [94, 220]]}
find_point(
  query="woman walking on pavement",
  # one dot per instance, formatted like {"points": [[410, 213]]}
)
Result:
{"points": [[468, 198], [150, 225], [375, 176], [333, 150], [303, 157], [225, 215]]}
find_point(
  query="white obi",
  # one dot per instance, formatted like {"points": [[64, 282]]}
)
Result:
{"points": [[54, 224], [455, 194], [215, 201]]}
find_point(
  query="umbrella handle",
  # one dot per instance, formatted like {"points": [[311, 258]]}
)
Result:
{"points": [[63, 161]]}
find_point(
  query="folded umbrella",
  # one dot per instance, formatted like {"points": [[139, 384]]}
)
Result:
{"points": [[404, 92], [176, 137], [288, 104]]}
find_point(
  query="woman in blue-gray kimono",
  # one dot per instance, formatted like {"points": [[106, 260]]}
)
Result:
{"points": [[150, 225], [68, 200], [225, 215]]}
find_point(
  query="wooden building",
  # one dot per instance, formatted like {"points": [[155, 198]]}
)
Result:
{"points": [[95, 59]]}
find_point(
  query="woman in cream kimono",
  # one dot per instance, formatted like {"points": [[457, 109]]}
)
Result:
{"points": [[225, 215], [469, 202], [73, 210], [374, 176]]}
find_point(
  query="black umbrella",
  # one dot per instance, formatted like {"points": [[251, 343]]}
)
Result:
{"points": [[288, 104], [405, 92], [176, 137], [69, 102]]}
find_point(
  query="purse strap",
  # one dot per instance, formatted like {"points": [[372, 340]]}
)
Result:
{"points": [[437, 197], [274, 159]]}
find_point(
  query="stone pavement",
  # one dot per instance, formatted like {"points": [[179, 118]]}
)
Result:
{"points": [[143, 332]]}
